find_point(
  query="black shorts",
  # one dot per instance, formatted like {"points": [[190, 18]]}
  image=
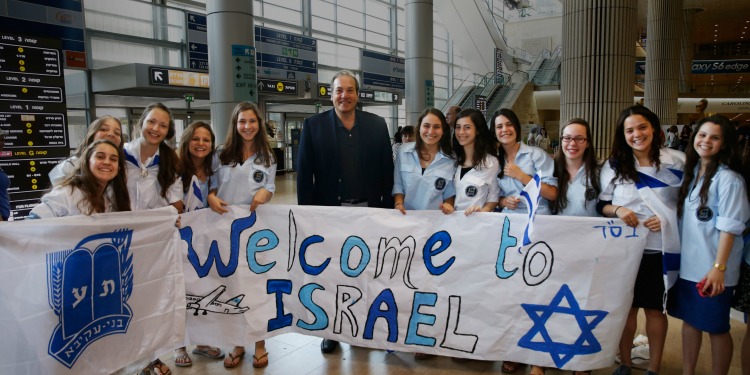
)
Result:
{"points": [[649, 284]]}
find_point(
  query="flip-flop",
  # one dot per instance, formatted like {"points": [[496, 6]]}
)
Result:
{"points": [[232, 357], [207, 352], [183, 360], [257, 361], [536, 370]]}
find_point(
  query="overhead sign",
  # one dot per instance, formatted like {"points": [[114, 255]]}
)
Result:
{"points": [[480, 103], [709, 67], [498, 65], [197, 41], [277, 87], [382, 71], [282, 55], [243, 73], [368, 95], [429, 93], [32, 115], [62, 20], [176, 77]]}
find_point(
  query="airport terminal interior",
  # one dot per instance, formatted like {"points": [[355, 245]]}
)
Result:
{"points": [[488, 54]]}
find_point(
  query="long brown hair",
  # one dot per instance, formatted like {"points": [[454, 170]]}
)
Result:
{"points": [[621, 157], [511, 116], [232, 152], [444, 144], [169, 163], [91, 133], [589, 161], [483, 143], [82, 178], [188, 168], [729, 155]]}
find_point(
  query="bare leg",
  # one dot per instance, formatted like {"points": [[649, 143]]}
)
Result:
{"points": [[721, 353], [260, 358], [691, 347], [656, 329], [626, 340]]}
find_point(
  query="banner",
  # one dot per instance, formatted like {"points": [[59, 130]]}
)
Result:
{"points": [[92, 294], [89, 294], [423, 282]]}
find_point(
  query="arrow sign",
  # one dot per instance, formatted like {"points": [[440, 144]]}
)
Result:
{"points": [[159, 76], [239, 76], [192, 18], [193, 47]]}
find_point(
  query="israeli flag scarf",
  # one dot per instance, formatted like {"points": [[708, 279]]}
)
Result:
{"points": [[659, 192], [195, 199]]}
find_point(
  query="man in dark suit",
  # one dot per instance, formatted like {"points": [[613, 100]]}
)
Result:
{"points": [[344, 157]]}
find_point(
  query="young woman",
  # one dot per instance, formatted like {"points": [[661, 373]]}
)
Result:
{"points": [[640, 182], [152, 165], [153, 174], [246, 175], [474, 181], [196, 155], [423, 174], [97, 185], [105, 127], [577, 173], [519, 163], [673, 140], [713, 206], [406, 136]]}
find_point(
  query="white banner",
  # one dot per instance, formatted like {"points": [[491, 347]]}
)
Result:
{"points": [[451, 285], [89, 294]]}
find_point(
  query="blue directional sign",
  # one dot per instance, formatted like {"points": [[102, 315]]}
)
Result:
{"points": [[197, 41], [282, 55]]}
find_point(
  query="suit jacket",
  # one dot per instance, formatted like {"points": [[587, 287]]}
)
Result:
{"points": [[318, 160]]}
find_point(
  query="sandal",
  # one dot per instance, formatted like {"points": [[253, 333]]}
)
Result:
{"points": [[157, 367], [232, 358], [181, 358], [211, 352], [510, 367], [260, 362]]}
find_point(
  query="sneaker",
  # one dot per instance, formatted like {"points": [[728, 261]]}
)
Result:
{"points": [[622, 370]]}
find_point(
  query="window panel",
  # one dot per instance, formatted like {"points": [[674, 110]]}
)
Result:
{"points": [[324, 25], [322, 9], [377, 25], [377, 9], [350, 32], [379, 39], [282, 14]]}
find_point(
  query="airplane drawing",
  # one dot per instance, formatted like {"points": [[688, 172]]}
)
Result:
{"points": [[210, 303]]}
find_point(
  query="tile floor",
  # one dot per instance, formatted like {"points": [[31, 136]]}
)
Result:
{"points": [[295, 354]]}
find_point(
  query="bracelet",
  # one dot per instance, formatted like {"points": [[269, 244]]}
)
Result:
{"points": [[618, 207]]}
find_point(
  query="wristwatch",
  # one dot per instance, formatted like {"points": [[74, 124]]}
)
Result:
{"points": [[720, 267]]}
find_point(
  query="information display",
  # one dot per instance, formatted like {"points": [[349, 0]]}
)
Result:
{"points": [[33, 116], [282, 55], [197, 41]]}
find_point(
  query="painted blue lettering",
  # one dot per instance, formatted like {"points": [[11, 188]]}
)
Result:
{"points": [[428, 252], [279, 287], [346, 250], [254, 247], [321, 318], [412, 332], [224, 270], [308, 269], [506, 241], [390, 314]]}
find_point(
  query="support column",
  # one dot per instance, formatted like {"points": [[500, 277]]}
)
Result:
{"points": [[418, 56], [686, 46], [663, 31], [598, 60], [229, 22]]}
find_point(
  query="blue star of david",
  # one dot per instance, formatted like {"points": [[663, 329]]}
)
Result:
{"points": [[562, 352]]}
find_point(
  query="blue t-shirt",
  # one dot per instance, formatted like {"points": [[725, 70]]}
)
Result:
{"points": [[4, 200]]}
